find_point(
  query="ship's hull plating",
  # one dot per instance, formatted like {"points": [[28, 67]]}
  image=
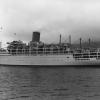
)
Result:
{"points": [[43, 60]]}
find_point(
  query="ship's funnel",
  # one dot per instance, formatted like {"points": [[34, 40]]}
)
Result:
{"points": [[36, 37]]}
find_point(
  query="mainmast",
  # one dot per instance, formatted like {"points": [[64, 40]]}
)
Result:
{"points": [[70, 40], [89, 42], [80, 42], [60, 39]]}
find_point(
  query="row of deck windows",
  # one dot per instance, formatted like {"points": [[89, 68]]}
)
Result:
{"points": [[42, 51], [87, 55]]}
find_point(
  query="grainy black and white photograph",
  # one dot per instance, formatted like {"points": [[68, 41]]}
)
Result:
{"points": [[49, 49]]}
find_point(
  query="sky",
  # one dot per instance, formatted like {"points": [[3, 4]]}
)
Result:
{"points": [[78, 18]]}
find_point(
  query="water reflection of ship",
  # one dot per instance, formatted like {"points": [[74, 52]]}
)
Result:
{"points": [[39, 53]]}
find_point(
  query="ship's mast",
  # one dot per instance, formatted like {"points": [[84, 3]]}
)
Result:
{"points": [[60, 39], [81, 43], [89, 42], [70, 40]]}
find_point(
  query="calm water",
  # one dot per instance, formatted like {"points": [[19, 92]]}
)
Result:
{"points": [[49, 83]]}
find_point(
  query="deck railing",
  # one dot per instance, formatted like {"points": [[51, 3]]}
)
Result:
{"points": [[43, 51], [87, 55]]}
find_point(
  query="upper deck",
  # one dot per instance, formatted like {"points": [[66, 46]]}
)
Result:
{"points": [[87, 55]]}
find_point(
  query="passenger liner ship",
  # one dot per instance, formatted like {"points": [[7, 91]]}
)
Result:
{"points": [[85, 58], [50, 57]]}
